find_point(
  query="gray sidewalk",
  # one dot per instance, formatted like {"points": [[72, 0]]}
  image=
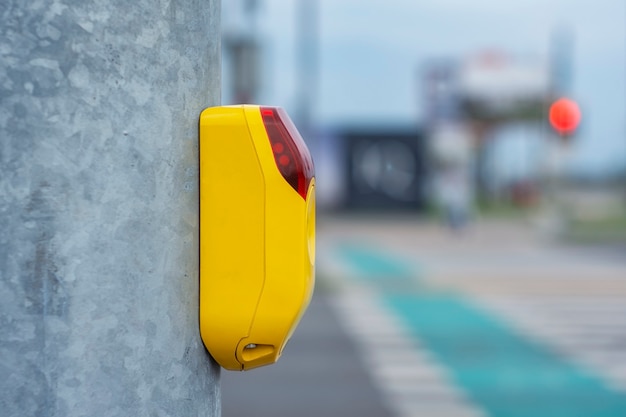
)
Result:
{"points": [[319, 374]]}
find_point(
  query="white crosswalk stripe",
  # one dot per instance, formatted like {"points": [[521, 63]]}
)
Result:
{"points": [[409, 378], [590, 331]]}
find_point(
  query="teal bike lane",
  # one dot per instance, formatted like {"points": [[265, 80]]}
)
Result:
{"points": [[501, 371]]}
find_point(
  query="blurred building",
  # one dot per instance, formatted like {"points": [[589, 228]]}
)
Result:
{"points": [[494, 88], [470, 105], [241, 52], [441, 95]]}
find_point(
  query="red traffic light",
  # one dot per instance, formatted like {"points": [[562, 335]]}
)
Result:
{"points": [[564, 116]]}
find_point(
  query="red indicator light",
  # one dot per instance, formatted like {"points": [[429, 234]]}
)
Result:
{"points": [[290, 152], [284, 160], [564, 116], [278, 148]]}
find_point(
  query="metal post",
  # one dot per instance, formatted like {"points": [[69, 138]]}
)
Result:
{"points": [[99, 105], [307, 21]]}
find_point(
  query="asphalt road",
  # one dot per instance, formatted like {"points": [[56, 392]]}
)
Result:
{"points": [[319, 374]]}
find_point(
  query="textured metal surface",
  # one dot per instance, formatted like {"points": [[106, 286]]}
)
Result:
{"points": [[99, 105]]}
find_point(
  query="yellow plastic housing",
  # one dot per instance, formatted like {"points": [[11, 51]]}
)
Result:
{"points": [[257, 242]]}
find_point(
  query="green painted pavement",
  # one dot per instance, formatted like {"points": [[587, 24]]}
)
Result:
{"points": [[507, 375], [374, 264]]}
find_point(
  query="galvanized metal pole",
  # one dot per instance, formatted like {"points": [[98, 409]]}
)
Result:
{"points": [[307, 40], [99, 105]]}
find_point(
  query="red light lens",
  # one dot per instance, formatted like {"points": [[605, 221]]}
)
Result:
{"points": [[278, 148], [284, 160], [291, 155]]}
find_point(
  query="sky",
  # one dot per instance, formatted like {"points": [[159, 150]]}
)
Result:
{"points": [[371, 51]]}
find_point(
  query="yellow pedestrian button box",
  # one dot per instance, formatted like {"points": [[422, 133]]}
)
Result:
{"points": [[257, 233]]}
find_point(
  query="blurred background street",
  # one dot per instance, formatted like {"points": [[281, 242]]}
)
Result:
{"points": [[471, 186], [413, 319]]}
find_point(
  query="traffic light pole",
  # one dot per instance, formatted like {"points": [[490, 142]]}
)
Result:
{"points": [[99, 107]]}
